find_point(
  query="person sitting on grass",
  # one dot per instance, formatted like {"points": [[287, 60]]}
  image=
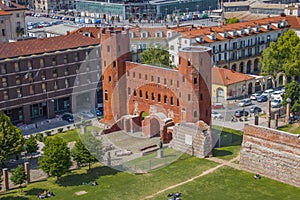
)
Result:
{"points": [[257, 176]]}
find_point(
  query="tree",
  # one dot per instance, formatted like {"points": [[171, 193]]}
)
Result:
{"points": [[283, 56], [18, 176], [82, 155], [57, 157], [11, 139], [157, 56], [93, 144], [31, 145], [292, 91], [232, 20]]}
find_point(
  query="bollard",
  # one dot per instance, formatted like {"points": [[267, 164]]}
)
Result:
{"points": [[256, 120], [5, 179], [27, 171]]}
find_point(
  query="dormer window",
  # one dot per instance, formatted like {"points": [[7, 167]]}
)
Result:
{"points": [[144, 34], [284, 23], [278, 25], [88, 34], [225, 34], [268, 27], [201, 38], [257, 28], [131, 34], [158, 34], [249, 30], [234, 33], [213, 36], [242, 32]]}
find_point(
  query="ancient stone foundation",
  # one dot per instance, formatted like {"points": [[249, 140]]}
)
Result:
{"points": [[271, 153], [194, 139]]}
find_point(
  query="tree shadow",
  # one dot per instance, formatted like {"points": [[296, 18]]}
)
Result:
{"points": [[218, 152], [91, 175], [35, 191], [14, 198]]}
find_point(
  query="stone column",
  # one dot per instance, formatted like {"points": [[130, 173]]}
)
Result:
{"points": [[276, 120], [269, 112], [108, 159], [83, 129], [288, 112], [27, 171], [256, 120], [5, 179]]}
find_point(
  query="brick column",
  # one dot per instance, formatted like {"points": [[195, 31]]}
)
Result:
{"points": [[27, 171], [269, 112], [5, 179], [276, 120], [256, 120], [288, 112]]}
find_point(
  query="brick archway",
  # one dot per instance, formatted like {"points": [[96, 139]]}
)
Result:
{"points": [[156, 125]]}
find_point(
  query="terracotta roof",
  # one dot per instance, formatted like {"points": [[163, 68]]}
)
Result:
{"points": [[37, 46], [222, 76], [94, 31], [2, 13], [13, 6], [293, 21], [195, 32]]}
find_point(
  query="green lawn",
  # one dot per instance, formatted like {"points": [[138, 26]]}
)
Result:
{"points": [[231, 184], [227, 153], [151, 162], [288, 127], [117, 185], [72, 135]]}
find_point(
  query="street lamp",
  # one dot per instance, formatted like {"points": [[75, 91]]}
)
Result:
{"points": [[197, 9], [288, 110]]}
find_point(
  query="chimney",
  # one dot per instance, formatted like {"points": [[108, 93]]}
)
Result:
{"points": [[68, 32]]}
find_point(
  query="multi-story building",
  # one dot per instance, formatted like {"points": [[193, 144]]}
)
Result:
{"points": [[45, 77], [53, 5], [16, 19], [150, 9]]}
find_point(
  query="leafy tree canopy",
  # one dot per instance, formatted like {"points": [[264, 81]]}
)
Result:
{"points": [[82, 155], [11, 139], [158, 56], [93, 145], [57, 157], [232, 20], [18, 176], [283, 56], [292, 91], [31, 145]]}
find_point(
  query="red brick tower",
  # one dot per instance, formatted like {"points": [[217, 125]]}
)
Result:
{"points": [[114, 52], [195, 67]]}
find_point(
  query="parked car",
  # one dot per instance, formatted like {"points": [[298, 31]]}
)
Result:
{"points": [[276, 95], [218, 106], [267, 92], [276, 103], [245, 102], [216, 115], [255, 109], [240, 113], [96, 112], [68, 117], [254, 96], [262, 98]]}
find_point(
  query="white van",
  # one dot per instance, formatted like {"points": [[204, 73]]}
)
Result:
{"points": [[267, 92]]}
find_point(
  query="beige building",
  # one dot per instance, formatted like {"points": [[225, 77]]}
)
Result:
{"points": [[51, 5], [17, 18], [5, 33]]}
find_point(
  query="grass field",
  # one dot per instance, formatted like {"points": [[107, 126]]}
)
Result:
{"points": [[114, 184], [72, 135], [231, 184], [291, 128]]}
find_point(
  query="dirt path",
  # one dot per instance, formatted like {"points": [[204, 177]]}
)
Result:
{"points": [[222, 163]]}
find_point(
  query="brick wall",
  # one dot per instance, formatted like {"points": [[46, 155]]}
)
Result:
{"points": [[271, 153]]}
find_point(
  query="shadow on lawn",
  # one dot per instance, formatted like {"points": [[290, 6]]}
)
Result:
{"points": [[14, 198], [35, 191], [91, 175], [218, 152]]}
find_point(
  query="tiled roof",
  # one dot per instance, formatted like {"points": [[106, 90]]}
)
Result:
{"points": [[37, 46], [92, 30], [222, 76], [207, 32], [2, 13], [293, 21], [13, 6]]}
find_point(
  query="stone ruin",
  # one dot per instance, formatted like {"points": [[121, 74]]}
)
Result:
{"points": [[271, 153]]}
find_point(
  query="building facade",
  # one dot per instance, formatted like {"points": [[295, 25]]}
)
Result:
{"points": [[5, 34], [151, 9], [16, 19], [51, 6], [44, 77]]}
